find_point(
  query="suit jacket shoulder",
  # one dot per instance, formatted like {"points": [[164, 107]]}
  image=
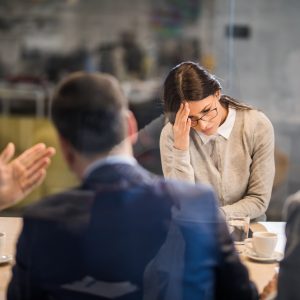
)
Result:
{"points": [[289, 281]]}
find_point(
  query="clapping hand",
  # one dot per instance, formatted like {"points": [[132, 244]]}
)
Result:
{"points": [[20, 176], [182, 127]]}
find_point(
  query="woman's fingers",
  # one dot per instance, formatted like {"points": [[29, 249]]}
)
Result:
{"points": [[188, 125], [182, 126], [185, 115], [178, 115], [182, 114]]}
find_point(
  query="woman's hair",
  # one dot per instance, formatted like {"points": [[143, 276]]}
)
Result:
{"points": [[189, 81]]}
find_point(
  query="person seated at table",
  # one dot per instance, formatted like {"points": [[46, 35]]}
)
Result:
{"points": [[23, 174], [288, 278], [287, 283], [212, 138], [123, 233]]}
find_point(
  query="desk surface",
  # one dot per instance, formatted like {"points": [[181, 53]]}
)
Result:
{"points": [[12, 228], [260, 273]]}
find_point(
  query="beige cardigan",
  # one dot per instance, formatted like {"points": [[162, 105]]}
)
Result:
{"points": [[245, 177]]}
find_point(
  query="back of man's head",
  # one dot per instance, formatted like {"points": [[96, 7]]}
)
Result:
{"points": [[88, 111]]}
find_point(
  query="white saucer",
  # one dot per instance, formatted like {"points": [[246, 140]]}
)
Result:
{"points": [[5, 259], [276, 256]]}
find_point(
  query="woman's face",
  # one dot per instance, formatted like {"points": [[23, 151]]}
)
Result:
{"points": [[207, 114]]}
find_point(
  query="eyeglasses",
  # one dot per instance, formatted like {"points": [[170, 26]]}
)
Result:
{"points": [[208, 116]]}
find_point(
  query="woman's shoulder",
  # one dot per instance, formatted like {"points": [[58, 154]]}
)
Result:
{"points": [[255, 119], [256, 128]]}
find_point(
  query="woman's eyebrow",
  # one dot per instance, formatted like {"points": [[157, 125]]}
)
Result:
{"points": [[205, 108]]}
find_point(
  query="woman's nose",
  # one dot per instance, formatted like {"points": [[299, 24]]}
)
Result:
{"points": [[203, 124]]}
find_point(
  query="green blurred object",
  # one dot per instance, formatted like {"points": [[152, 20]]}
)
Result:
{"points": [[25, 132]]}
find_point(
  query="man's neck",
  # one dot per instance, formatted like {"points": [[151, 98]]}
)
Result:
{"points": [[83, 162]]}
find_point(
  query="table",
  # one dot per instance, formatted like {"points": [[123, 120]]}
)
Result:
{"points": [[12, 228], [260, 273]]}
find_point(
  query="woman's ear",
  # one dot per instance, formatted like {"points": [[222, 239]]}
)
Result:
{"points": [[218, 94], [131, 127]]}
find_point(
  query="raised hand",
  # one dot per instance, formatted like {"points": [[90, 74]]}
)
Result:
{"points": [[21, 175], [182, 127]]}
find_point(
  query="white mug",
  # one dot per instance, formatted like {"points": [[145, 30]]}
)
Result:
{"points": [[264, 243], [2, 243]]}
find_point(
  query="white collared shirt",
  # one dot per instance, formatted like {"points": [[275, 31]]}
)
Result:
{"points": [[113, 159], [224, 130]]}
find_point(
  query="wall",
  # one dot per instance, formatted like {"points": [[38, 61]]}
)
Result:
{"points": [[263, 70], [61, 26]]}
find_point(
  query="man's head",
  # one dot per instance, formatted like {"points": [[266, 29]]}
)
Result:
{"points": [[90, 113]]}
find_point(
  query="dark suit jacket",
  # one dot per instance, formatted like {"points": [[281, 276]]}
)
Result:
{"points": [[289, 279], [124, 234]]}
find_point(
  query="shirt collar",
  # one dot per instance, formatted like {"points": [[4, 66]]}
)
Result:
{"points": [[113, 159], [224, 130]]}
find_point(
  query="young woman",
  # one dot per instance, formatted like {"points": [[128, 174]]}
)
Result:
{"points": [[212, 138]]}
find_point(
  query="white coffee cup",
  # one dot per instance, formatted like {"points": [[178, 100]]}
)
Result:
{"points": [[2, 243], [264, 243]]}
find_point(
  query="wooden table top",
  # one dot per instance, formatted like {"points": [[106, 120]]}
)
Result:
{"points": [[261, 273], [11, 227]]}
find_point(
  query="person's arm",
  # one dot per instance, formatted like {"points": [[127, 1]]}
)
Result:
{"points": [[262, 171], [175, 163], [23, 174], [174, 147]]}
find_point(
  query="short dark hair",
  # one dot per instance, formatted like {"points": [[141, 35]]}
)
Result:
{"points": [[88, 111]]}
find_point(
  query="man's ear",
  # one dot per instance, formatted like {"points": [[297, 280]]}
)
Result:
{"points": [[67, 151], [131, 127]]}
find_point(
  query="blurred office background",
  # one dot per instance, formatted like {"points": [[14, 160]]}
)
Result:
{"points": [[251, 46]]}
